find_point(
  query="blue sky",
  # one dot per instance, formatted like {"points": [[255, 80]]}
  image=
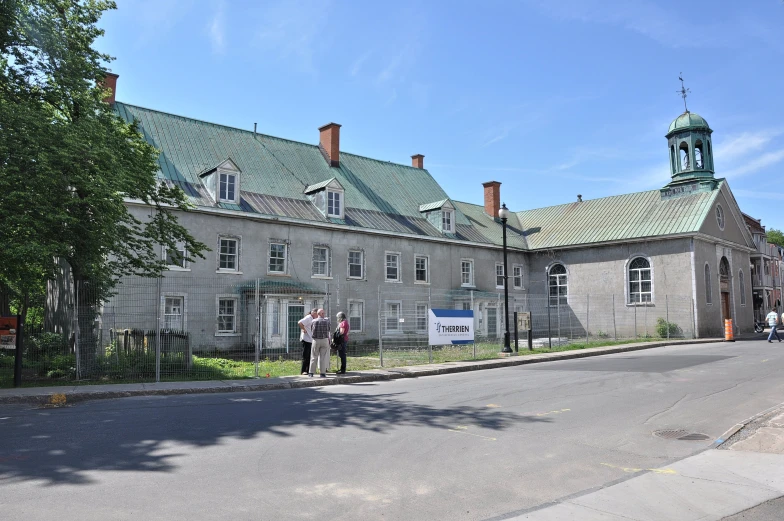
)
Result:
{"points": [[550, 98]]}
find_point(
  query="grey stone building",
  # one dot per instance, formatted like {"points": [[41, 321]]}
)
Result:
{"points": [[294, 225]]}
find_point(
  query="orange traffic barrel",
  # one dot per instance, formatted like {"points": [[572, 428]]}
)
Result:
{"points": [[728, 336]]}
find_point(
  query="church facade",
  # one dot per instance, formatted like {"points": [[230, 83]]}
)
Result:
{"points": [[285, 214]]}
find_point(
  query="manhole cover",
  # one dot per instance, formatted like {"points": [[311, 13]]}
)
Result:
{"points": [[680, 434]]}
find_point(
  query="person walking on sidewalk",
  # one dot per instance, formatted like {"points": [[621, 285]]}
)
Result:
{"points": [[773, 321], [319, 351], [341, 341], [306, 337]]}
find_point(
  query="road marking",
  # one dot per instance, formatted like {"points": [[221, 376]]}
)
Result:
{"points": [[631, 470], [462, 430], [560, 411], [492, 405], [767, 359]]}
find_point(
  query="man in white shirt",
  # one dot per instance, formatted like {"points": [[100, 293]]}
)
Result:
{"points": [[773, 321], [306, 337]]}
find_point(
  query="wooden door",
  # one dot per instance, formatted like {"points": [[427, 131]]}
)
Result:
{"points": [[725, 307]]}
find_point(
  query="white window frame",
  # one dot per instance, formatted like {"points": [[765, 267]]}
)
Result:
{"points": [[470, 283], [238, 250], [447, 221], [558, 285], [397, 254], [361, 264], [218, 179], [327, 262], [627, 278], [499, 265], [176, 267], [398, 328], [517, 268], [419, 317], [341, 203], [427, 269], [236, 330], [184, 297], [361, 304], [285, 257]]}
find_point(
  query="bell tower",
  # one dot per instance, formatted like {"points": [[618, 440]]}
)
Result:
{"points": [[691, 153]]}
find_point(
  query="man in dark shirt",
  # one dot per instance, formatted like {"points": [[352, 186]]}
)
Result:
{"points": [[319, 352]]}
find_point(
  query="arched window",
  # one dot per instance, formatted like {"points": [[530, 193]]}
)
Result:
{"points": [[673, 165], [742, 282], [559, 288], [699, 159], [640, 281], [685, 158], [720, 216], [708, 294], [724, 268]]}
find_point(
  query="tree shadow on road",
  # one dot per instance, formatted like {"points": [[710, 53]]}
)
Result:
{"points": [[136, 434]]}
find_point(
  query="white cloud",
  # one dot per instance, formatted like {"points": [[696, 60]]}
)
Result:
{"points": [[356, 67], [763, 161], [739, 145], [759, 195], [217, 30]]}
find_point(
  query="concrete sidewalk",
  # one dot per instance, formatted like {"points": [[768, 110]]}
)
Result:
{"points": [[735, 476], [73, 393]]}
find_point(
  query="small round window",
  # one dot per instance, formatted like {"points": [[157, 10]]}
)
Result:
{"points": [[720, 216]]}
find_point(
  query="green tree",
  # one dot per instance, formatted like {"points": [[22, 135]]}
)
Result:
{"points": [[775, 236], [68, 162]]}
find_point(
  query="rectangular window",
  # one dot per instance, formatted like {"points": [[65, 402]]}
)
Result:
{"points": [[393, 267], [517, 272], [172, 313], [320, 261], [422, 271], [277, 257], [227, 257], [333, 204], [466, 306], [275, 317], [421, 317], [227, 309], [356, 310], [176, 258], [355, 264], [467, 272], [446, 221], [499, 275], [392, 316], [228, 187]]}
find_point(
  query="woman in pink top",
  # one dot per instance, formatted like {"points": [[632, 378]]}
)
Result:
{"points": [[343, 328]]}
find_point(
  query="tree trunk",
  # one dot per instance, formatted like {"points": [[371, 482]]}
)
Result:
{"points": [[5, 300], [86, 310]]}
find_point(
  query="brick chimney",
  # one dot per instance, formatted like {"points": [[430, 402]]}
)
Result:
{"points": [[418, 161], [110, 82], [329, 143], [492, 198]]}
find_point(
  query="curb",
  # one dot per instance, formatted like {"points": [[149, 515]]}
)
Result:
{"points": [[735, 429], [376, 375]]}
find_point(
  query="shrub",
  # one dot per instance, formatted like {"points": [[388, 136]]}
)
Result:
{"points": [[663, 327]]}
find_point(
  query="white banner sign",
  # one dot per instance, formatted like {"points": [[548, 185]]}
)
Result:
{"points": [[451, 326]]}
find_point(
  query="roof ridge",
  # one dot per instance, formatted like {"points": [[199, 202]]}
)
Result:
{"points": [[262, 134]]}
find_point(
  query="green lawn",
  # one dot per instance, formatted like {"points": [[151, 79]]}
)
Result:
{"points": [[59, 371]]}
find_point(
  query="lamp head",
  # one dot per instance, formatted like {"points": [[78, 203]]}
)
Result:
{"points": [[503, 213]]}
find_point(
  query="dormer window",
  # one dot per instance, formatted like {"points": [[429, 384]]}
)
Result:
{"points": [[223, 182], [441, 214], [447, 221], [228, 187], [328, 196], [335, 204]]}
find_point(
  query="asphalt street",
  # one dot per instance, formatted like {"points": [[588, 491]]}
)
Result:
{"points": [[490, 444]]}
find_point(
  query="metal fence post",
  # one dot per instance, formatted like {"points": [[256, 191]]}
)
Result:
{"points": [[380, 331], [76, 333], [587, 316], [158, 313], [667, 314], [475, 322], [635, 322], [18, 351], [615, 327], [549, 325], [646, 321], [258, 329], [429, 307], [693, 320]]}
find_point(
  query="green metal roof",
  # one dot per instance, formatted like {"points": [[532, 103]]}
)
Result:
{"points": [[432, 206], [621, 217], [318, 186], [688, 120]]}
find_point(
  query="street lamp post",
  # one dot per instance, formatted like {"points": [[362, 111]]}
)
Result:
{"points": [[503, 214]]}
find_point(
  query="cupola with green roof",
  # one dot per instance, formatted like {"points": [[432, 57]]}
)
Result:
{"points": [[691, 156]]}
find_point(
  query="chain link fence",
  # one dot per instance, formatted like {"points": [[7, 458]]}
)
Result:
{"points": [[183, 328]]}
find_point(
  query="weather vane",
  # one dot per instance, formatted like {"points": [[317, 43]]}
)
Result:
{"points": [[683, 92]]}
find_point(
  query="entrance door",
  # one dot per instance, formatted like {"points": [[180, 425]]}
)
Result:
{"points": [[492, 322], [295, 313], [725, 306]]}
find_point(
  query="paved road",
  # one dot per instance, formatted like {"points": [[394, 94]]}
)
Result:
{"points": [[484, 445], [768, 511]]}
